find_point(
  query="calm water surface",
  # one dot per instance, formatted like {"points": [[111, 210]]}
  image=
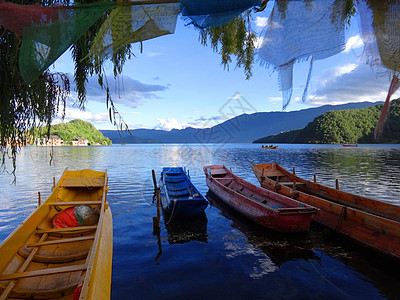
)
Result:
{"points": [[220, 255]]}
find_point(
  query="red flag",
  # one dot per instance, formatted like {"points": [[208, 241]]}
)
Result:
{"points": [[394, 85]]}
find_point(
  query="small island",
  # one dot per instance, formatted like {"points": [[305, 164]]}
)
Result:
{"points": [[73, 133]]}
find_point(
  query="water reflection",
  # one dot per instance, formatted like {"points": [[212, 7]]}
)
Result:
{"points": [[279, 247], [226, 256], [320, 247], [184, 230]]}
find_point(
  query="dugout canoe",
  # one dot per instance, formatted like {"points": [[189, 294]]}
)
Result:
{"points": [[373, 223], [269, 147], [179, 196], [262, 206], [39, 261]]}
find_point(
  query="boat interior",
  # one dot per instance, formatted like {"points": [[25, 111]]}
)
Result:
{"points": [[52, 262], [178, 185], [229, 181]]}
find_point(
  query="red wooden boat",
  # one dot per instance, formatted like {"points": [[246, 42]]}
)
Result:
{"points": [[370, 222], [349, 145], [264, 207]]}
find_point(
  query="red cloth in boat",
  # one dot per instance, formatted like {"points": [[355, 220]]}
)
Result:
{"points": [[81, 215]]}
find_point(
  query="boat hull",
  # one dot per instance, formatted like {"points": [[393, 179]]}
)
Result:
{"points": [[290, 219], [369, 222], [179, 197], [39, 261]]}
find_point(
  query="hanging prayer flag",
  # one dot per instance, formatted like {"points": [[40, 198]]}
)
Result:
{"points": [[381, 38], [394, 85], [43, 42], [130, 24], [301, 32], [16, 17], [208, 13]]}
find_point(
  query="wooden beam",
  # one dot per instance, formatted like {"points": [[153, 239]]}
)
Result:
{"points": [[74, 203], [12, 284], [291, 183], [68, 229], [71, 240], [44, 272]]}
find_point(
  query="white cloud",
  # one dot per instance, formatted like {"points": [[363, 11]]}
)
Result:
{"points": [[98, 120], [349, 84], [345, 69], [353, 42], [153, 54], [169, 124], [261, 21], [124, 90], [202, 122]]}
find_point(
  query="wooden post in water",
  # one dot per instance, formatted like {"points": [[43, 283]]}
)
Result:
{"points": [[337, 183], [54, 183], [39, 199], [315, 178], [294, 171], [154, 179], [157, 220], [158, 208]]}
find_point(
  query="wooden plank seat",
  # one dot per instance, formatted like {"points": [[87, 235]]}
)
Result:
{"points": [[85, 182], [68, 231], [60, 241], [51, 271], [51, 259], [75, 203], [272, 173], [290, 183], [178, 194], [218, 172]]}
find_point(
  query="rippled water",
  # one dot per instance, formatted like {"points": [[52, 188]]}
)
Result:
{"points": [[220, 255]]}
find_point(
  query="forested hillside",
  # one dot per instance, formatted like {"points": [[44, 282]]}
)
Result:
{"points": [[74, 129], [345, 126]]}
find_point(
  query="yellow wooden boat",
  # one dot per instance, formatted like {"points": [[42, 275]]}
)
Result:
{"points": [[38, 261]]}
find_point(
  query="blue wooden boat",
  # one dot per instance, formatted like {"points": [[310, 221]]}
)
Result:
{"points": [[179, 197]]}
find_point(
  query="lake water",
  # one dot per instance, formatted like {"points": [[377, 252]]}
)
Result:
{"points": [[220, 255]]}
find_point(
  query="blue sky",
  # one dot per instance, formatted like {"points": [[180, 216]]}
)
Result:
{"points": [[176, 82]]}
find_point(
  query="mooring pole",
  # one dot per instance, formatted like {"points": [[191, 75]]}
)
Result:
{"points": [[154, 179], [337, 183], [39, 199], [158, 207]]}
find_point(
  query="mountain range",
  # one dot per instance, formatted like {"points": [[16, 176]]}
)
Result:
{"points": [[244, 128]]}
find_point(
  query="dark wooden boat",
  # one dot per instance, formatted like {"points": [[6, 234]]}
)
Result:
{"points": [[269, 147], [349, 145], [264, 207], [372, 223], [179, 197]]}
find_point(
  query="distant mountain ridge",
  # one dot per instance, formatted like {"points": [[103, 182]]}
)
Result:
{"points": [[244, 128], [347, 126]]}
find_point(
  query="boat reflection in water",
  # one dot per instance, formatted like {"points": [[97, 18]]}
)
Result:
{"points": [[184, 230], [329, 253], [279, 247]]}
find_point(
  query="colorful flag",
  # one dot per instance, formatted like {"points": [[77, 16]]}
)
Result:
{"points": [[130, 24], [301, 32], [209, 13], [45, 41]]}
